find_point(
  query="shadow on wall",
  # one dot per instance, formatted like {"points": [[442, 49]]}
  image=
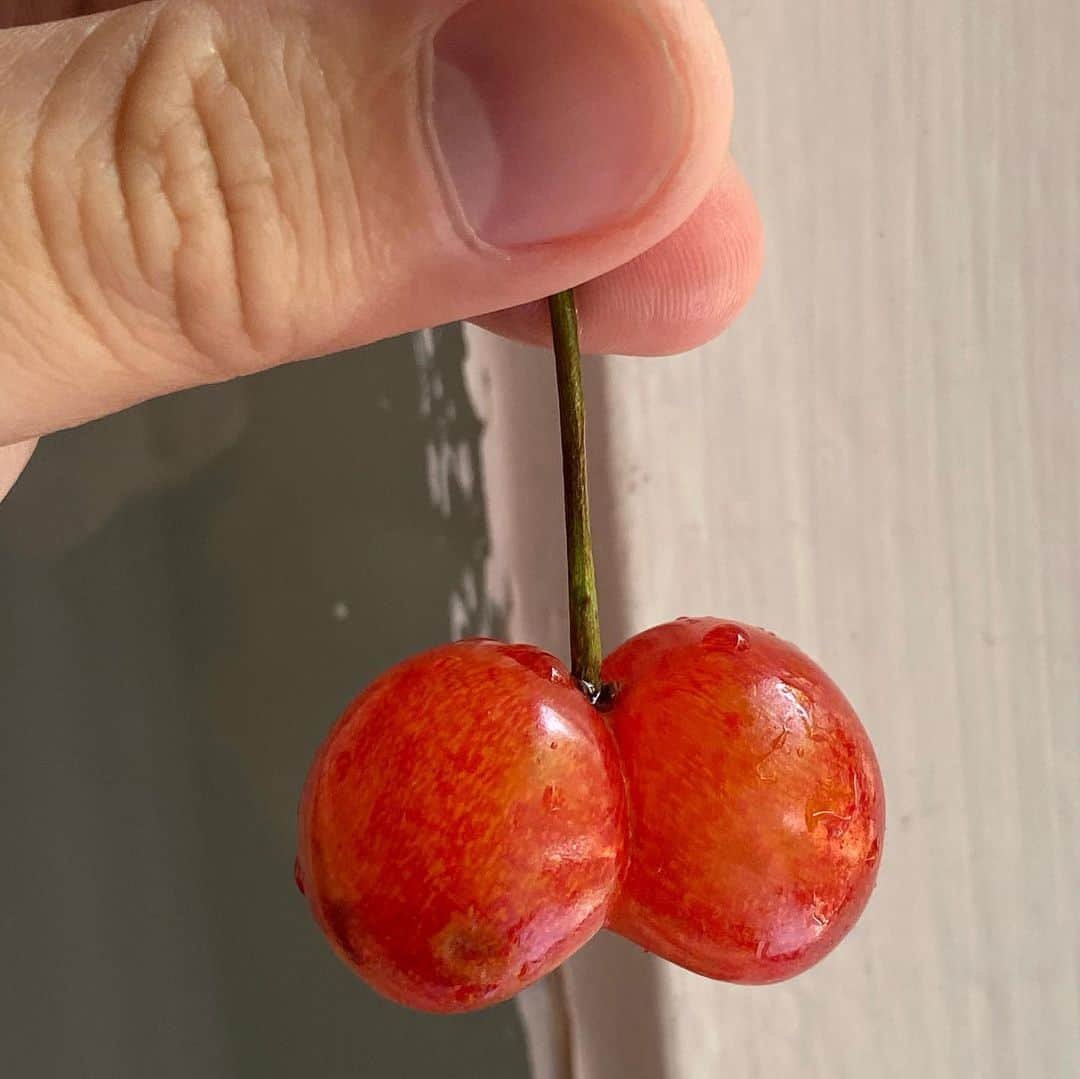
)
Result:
{"points": [[193, 590]]}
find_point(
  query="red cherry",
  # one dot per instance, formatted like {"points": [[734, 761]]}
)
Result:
{"points": [[756, 804], [462, 830]]}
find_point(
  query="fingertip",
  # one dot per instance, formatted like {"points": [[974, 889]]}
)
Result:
{"points": [[674, 297]]}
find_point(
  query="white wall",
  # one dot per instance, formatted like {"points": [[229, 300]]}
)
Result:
{"points": [[880, 461]]}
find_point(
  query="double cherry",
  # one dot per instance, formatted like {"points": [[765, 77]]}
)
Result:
{"points": [[473, 819]]}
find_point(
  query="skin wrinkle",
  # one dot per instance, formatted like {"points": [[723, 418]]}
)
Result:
{"points": [[25, 58], [144, 195], [36, 177], [187, 321], [87, 162], [159, 156], [120, 128], [274, 170], [341, 281], [134, 327], [208, 80], [229, 215], [367, 198], [347, 91], [314, 238], [83, 206], [322, 202], [27, 357], [231, 206], [31, 358], [211, 143], [695, 265]]}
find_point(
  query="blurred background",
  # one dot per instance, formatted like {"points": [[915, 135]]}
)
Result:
{"points": [[880, 461]]}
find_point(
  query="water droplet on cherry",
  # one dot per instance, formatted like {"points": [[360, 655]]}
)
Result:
{"points": [[727, 638], [537, 661]]}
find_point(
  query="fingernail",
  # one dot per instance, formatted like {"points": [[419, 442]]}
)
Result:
{"points": [[553, 118]]}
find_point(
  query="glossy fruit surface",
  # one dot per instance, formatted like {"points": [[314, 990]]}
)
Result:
{"points": [[462, 830], [756, 803]]}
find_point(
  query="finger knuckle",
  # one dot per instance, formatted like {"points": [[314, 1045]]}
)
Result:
{"points": [[188, 186], [195, 166]]}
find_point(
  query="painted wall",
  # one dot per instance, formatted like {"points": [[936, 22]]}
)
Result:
{"points": [[881, 461]]}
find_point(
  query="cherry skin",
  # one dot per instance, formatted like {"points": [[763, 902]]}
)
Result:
{"points": [[462, 829], [756, 803]]}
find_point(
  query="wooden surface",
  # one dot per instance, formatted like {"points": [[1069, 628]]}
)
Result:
{"points": [[880, 462]]}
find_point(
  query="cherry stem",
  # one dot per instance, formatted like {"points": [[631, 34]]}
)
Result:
{"points": [[586, 651]]}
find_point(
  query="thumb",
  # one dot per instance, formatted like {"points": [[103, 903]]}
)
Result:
{"points": [[194, 190]]}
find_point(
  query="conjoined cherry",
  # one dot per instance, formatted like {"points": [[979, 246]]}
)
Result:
{"points": [[474, 817]]}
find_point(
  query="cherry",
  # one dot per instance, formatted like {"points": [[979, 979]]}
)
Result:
{"points": [[756, 804], [472, 820], [462, 829]]}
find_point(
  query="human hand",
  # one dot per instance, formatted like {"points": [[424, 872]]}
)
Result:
{"points": [[198, 189]]}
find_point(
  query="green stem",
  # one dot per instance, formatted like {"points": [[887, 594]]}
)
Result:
{"points": [[585, 649]]}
